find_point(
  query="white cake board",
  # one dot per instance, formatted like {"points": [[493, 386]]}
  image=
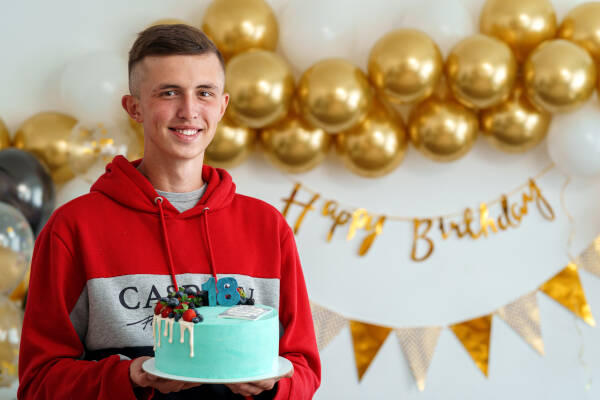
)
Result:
{"points": [[284, 367]]}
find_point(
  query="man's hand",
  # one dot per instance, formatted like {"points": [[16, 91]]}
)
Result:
{"points": [[141, 378], [254, 388]]}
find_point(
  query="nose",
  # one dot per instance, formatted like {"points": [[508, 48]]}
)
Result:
{"points": [[188, 108]]}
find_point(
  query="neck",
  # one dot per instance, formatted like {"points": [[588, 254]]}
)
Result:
{"points": [[176, 176]]}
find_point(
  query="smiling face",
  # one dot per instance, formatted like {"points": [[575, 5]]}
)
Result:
{"points": [[179, 101]]}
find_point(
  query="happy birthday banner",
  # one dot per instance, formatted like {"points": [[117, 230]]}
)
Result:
{"points": [[418, 343], [472, 224]]}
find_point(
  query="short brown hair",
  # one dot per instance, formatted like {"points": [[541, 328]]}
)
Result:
{"points": [[166, 40]]}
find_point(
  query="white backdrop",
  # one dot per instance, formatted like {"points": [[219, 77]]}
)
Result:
{"points": [[463, 279]]}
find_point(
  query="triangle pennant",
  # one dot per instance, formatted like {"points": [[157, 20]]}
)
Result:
{"points": [[418, 345], [590, 258], [523, 315], [367, 340], [475, 337], [327, 324], [565, 288]]}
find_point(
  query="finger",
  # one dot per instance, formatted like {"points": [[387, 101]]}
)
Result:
{"points": [[266, 384], [246, 389], [289, 374]]}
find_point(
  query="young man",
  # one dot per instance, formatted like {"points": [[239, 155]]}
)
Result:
{"points": [[104, 259]]}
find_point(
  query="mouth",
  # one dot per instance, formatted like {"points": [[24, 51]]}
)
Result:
{"points": [[186, 132]]}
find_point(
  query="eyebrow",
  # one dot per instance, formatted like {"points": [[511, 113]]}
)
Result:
{"points": [[174, 86]]}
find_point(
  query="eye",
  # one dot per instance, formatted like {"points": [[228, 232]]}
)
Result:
{"points": [[205, 94], [169, 93]]}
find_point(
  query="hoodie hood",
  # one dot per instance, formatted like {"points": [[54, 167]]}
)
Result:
{"points": [[123, 183]]}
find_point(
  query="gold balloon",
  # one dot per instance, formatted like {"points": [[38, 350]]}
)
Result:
{"points": [[405, 65], [10, 337], [376, 146], [516, 125], [261, 87], [334, 95], [4, 136], [295, 147], [582, 26], [523, 24], [167, 21], [239, 25], [481, 71], [442, 130], [231, 145], [559, 76], [13, 266], [47, 136]]}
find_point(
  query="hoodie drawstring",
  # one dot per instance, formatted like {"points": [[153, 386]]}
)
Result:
{"points": [[159, 200], [211, 257]]}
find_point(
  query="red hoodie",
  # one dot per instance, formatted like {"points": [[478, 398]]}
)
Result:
{"points": [[103, 260]]}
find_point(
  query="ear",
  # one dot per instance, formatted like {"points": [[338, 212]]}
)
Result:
{"points": [[225, 101], [132, 106]]}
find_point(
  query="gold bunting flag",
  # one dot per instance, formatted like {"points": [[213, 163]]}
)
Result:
{"points": [[565, 288], [475, 337], [418, 345], [327, 324], [523, 316], [367, 340], [590, 258]]}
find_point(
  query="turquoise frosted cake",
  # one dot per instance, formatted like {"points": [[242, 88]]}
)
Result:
{"points": [[195, 341]]}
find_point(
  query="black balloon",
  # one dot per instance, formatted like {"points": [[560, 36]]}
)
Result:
{"points": [[26, 185]]}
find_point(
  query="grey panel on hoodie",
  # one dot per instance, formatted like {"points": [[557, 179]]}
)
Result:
{"points": [[117, 312]]}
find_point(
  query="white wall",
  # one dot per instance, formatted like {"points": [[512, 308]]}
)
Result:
{"points": [[462, 280]]}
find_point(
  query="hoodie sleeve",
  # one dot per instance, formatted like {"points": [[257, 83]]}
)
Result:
{"points": [[50, 365], [298, 343]]}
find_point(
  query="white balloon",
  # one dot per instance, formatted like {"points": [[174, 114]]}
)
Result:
{"points": [[379, 18], [474, 8], [574, 140], [76, 187], [446, 22], [91, 87], [312, 30]]}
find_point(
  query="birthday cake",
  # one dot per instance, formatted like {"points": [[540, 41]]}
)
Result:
{"points": [[197, 336]]}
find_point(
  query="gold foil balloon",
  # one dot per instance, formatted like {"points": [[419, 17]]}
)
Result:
{"points": [[101, 144], [10, 338], [294, 146], [582, 26], [47, 136], [523, 24], [481, 71], [334, 95], [516, 125], [559, 76], [239, 25], [231, 145], [4, 136], [261, 87], [442, 130], [376, 146], [405, 65]]}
